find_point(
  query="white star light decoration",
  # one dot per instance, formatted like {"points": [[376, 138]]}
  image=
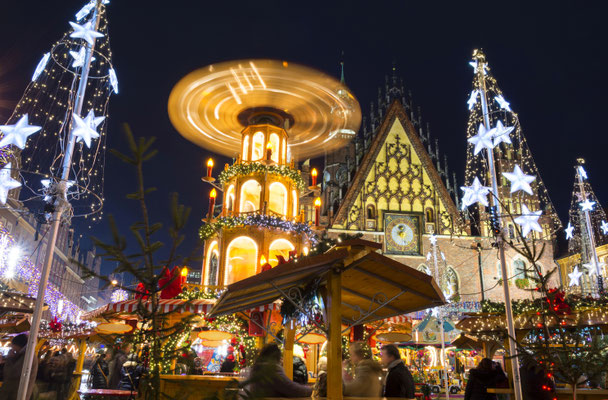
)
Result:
{"points": [[569, 231], [18, 133], [501, 133], [483, 139], [86, 129], [476, 193], [79, 57], [505, 105], [575, 277], [113, 80], [85, 31], [528, 220], [6, 183], [582, 172], [433, 240], [473, 99], [604, 227], [40, 67], [586, 205], [519, 180], [476, 67]]}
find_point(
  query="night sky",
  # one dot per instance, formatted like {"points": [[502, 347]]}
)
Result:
{"points": [[549, 59]]}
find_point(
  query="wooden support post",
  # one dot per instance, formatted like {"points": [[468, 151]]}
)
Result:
{"points": [[290, 336], [82, 349], [334, 345], [508, 362]]}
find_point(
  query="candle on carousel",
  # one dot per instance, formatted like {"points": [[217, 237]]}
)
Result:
{"points": [[268, 151], [313, 176], [317, 210], [184, 273], [212, 196], [209, 167]]}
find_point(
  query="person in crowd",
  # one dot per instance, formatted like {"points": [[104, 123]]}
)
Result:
{"points": [[115, 366], [99, 371], [366, 381], [130, 374], [535, 383], [13, 364], [268, 379], [70, 365], [300, 372], [229, 362], [486, 375], [320, 388], [399, 381]]}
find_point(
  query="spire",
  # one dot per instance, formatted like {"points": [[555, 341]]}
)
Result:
{"points": [[342, 80]]}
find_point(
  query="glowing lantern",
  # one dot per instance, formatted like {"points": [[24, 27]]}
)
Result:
{"points": [[313, 175]]}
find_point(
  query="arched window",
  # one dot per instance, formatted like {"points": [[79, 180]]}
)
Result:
{"points": [[452, 286], [294, 203], [212, 265], [257, 145], [241, 259], [371, 211], [230, 199], [519, 269], [246, 148], [275, 142], [280, 247], [250, 196], [511, 232], [424, 268], [429, 215], [277, 198]]}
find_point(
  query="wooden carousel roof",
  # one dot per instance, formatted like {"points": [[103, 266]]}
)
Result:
{"points": [[374, 287]]}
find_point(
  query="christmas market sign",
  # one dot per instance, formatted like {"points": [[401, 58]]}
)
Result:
{"points": [[110, 328], [214, 335], [311, 338], [392, 337]]}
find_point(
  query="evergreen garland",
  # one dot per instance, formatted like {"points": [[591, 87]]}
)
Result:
{"points": [[253, 168]]}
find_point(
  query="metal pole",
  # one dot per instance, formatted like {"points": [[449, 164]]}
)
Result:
{"points": [[442, 333], [480, 266], [594, 259], [60, 207], [481, 82]]}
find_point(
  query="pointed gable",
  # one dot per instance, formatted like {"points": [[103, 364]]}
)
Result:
{"points": [[397, 175]]}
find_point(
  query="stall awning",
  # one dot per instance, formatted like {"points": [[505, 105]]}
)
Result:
{"points": [[17, 302], [374, 287]]}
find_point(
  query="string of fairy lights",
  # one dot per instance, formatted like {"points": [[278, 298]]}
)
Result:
{"points": [[48, 103]]}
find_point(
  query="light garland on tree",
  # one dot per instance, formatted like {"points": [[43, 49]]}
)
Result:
{"points": [[259, 168]]}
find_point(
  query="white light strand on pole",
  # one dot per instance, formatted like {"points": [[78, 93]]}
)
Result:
{"points": [[61, 206], [481, 82]]}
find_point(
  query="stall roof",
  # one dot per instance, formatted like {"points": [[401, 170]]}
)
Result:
{"points": [[374, 287], [17, 302]]}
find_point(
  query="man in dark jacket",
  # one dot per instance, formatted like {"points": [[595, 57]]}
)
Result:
{"points": [[399, 381], [486, 375], [13, 364], [115, 366]]}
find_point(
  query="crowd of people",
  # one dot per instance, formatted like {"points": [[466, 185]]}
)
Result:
{"points": [[122, 372]]}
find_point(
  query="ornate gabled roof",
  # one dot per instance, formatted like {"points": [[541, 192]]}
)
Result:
{"points": [[396, 111]]}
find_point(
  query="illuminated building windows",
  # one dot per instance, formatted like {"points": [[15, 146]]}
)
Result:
{"points": [[241, 259], [277, 199], [280, 247], [275, 142], [250, 196], [246, 148], [257, 145], [230, 199], [212, 265]]}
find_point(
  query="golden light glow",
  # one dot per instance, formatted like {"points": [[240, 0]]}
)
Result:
{"points": [[213, 249], [210, 162], [305, 250], [269, 145], [314, 172], [277, 201], [318, 202], [213, 194], [263, 260], [114, 282], [250, 196], [241, 259], [185, 272], [280, 247]]}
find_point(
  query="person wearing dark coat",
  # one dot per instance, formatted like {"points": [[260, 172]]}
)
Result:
{"points": [[99, 372], [13, 364], [228, 364], [268, 379], [399, 381], [300, 372], [115, 366], [486, 375], [535, 384], [130, 374]]}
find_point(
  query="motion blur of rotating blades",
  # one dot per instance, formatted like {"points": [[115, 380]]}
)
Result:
{"points": [[212, 105]]}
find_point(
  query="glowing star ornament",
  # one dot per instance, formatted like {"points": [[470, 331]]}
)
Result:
{"points": [[85, 31], [7, 182], [519, 180], [113, 80], [433, 240], [501, 133], [473, 99], [40, 67], [586, 205], [476, 193], [604, 227], [86, 129], [582, 172], [79, 57], [505, 105], [569, 231], [528, 220], [17, 134], [483, 139], [575, 277]]}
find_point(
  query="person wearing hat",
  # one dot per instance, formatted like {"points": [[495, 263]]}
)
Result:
{"points": [[99, 371], [13, 364]]}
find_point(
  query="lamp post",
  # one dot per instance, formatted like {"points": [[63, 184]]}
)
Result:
{"points": [[481, 87], [438, 278]]}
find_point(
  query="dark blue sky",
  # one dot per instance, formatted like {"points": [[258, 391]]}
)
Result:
{"points": [[548, 56]]}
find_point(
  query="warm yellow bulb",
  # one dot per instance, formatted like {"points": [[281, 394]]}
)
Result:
{"points": [[314, 172], [210, 162], [213, 194], [262, 260], [318, 202], [185, 271]]}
